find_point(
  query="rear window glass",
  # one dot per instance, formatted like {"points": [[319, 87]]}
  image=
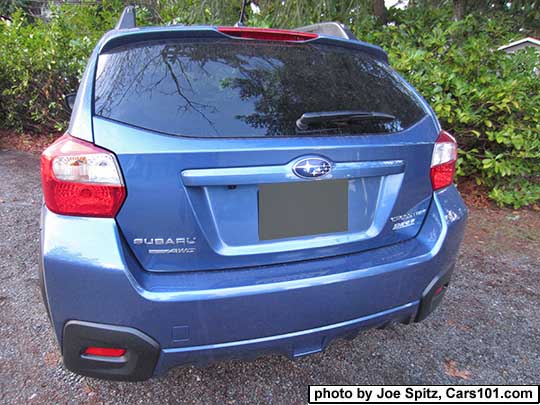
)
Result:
{"points": [[233, 88]]}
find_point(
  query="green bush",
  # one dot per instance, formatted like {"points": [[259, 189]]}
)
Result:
{"points": [[40, 62], [489, 100]]}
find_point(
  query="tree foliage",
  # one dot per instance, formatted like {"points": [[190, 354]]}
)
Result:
{"points": [[489, 100]]}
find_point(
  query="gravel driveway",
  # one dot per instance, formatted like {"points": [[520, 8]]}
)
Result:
{"points": [[487, 331]]}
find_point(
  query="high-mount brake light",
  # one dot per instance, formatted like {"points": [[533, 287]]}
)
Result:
{"points": [[267, 34], [443, 161], [81, 179]]}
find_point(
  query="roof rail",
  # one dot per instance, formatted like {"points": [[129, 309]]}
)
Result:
{"points": [[127, 19], [335, 29]]}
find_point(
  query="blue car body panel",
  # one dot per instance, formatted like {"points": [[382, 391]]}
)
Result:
{"points": [[168, 178], [235, 295], [291, 309]]}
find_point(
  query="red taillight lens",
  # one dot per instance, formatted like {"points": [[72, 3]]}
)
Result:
{"points": [[104, 351], [439, 290], [81, 179], [443, 161], [267, 34]]}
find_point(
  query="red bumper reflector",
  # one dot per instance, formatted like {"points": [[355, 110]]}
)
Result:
{"points": [[439, 290], [104, 351]]}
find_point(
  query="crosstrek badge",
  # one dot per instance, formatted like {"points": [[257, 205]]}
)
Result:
{"points": [[406, 220]]}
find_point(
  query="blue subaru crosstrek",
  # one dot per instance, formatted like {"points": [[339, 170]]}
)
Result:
{"points": [[228, 192]]}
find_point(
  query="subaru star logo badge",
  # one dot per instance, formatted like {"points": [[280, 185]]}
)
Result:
{"points": [[313, 167]]}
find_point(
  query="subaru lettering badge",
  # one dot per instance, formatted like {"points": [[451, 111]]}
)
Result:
{"points": [[309, 168]]}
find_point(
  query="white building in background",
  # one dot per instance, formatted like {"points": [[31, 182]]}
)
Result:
{"points": [[520, 44], [396, 3], [5, 20], [515, 46]]}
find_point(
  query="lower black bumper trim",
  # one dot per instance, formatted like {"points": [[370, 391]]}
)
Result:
{"points": [[137, 364], [432, 297]]}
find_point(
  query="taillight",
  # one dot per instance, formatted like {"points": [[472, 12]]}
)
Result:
{"points": [[267, 34], [81, 179], [443, 161]]}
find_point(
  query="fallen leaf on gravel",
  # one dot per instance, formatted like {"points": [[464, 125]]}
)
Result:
{"points": [[457, 325], [88, 390], [450, 368], [51, 358]]}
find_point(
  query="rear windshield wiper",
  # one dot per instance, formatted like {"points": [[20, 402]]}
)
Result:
{"points": [[343, 117]]}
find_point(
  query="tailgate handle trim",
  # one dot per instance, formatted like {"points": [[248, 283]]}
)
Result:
{"points": [[281, 174]]}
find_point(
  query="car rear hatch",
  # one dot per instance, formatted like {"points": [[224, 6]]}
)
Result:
{"points": [[218, 173]]}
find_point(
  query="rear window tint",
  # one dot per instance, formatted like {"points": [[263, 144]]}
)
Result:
{"points": [[232, 88]]}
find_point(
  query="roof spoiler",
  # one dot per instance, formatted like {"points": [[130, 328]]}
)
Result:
{"points": [[335, 29], [127, 19]]}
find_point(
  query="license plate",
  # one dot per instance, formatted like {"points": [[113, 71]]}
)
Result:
{"points": [[304, 208]]}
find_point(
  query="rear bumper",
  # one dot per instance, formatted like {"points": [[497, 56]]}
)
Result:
{"points": [[294, 309], [293, 345]]}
